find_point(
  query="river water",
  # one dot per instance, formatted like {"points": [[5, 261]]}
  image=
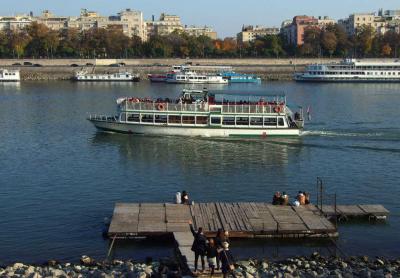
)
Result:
{"points": [[59, 177]]}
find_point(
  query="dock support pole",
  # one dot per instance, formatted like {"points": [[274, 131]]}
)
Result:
{"points": [[111, 246]]}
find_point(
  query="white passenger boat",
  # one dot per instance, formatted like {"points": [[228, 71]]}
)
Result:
{"points": [[199, 113], [9, 75], [351, 70], [84, 75], [191, 77]]}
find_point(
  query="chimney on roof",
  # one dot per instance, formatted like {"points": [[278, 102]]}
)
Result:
{"points": [[152, 18]]}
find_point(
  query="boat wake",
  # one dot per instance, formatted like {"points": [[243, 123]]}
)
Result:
{"points": [[328, 133]]}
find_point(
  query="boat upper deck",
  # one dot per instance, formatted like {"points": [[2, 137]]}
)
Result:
{"points": [[203, 102]]}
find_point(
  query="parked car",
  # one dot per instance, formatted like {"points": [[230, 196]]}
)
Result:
{"points": [[115, 65], [74, 65], [89, 64], [37, 65], [122, 64], [16, 64], [27, 64]]}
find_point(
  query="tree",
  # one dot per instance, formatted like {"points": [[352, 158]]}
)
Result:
{"points": [[364, 39], [312, 37], [329, 42], [18, 42], [69, 45]]}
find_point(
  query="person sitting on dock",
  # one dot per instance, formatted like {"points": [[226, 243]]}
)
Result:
{"points": [[301, 198], [276, 200], [307, 198], [185, 198], [211, 253], [227, 261], [199, 246], [284, 199]]}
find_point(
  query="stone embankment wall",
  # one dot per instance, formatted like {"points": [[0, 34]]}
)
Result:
{"points": [[66, 72], [61, 69]]}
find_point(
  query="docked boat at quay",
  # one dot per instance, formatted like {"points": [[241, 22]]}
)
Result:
{"points": [[84, 75], [191, 77], [351, 70], [9, 75], [205, 114], [234, 77]]}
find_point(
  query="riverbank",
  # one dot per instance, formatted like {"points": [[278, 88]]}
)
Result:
{"points": [[312, 266]]}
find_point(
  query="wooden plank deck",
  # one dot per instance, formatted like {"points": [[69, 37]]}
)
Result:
{"points": [[241, 219], [348, 211]]}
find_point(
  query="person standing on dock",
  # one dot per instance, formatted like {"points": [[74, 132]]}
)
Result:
{"points": [[227, 261], [199, 246]]}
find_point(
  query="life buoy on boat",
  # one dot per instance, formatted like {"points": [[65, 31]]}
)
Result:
{"points": [[160, 106], [277, 109]]}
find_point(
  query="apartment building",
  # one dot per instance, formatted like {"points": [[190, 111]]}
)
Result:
{"points": [[381, 23], [250, 33], [201, 31]]}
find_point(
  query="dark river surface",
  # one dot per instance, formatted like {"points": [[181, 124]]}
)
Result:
{"points": [[60, 178]]}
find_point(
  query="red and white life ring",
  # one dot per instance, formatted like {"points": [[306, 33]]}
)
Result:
{"points": [[160, 106], [277, 109]]}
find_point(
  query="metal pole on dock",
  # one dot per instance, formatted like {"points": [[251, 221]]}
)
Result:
{"points": [[111, 246]]}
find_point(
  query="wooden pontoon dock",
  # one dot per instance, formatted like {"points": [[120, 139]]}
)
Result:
{"points": [[241, 219]]}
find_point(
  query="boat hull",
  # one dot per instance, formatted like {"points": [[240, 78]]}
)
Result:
{"points": [[193, 131]]}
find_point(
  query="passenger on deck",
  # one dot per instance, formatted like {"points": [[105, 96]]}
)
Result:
{"points": [[199, 246], [211, 253], [284, 199], [185, 198], [276, 200]]}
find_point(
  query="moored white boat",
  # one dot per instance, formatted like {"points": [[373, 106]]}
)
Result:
{"points": [[9, 75], [351, 70], [199, 113], [83, 75], [191, 77]]}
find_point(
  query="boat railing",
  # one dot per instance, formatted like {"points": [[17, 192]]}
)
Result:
{"points": [[252, 109], [204, 107], [105, 118], [168, 107]]}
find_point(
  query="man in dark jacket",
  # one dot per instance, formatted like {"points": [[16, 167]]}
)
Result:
{"points": [[199, 246]]}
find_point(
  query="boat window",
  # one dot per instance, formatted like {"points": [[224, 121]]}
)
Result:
{"points": [[174, 119], [188, 120], [133, 118], [256, 121], [147, 118], [161, 119], [242, 121], [127, 75], [201, 120], [228, 121], [270, 121], [216, 120], [281, 122]]}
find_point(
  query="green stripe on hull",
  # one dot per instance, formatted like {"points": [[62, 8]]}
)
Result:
{"points": [[262, 136]]}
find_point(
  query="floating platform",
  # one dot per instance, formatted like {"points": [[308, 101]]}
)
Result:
{"points": [[356, 211], [242, 220]]}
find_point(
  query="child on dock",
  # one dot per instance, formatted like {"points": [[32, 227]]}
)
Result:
{"points": [[211, 253]]}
